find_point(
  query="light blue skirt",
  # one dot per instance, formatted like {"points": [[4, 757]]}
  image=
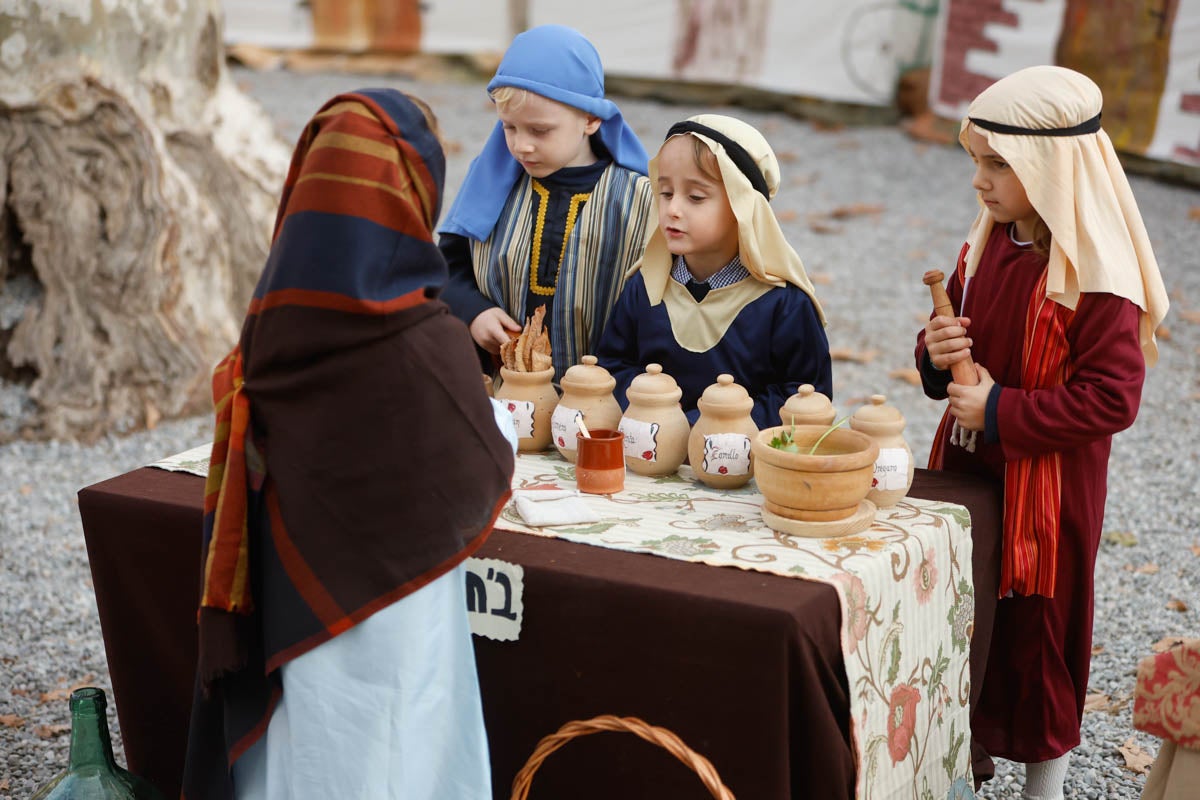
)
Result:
{"points": [[388, 709]]}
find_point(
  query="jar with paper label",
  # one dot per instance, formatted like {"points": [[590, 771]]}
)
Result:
{"points": [[531, 398], [587, 394], [894, 466], [655, 427], [807, 407], [719, 445]]}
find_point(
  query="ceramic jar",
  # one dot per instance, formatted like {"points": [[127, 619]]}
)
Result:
{"points": [[807, 407], [719, 444], [894, 466], [588, 393], [531, 398], [655, 427]]}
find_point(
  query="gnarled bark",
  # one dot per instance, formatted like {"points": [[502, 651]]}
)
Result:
{"points": [[137, 187]]}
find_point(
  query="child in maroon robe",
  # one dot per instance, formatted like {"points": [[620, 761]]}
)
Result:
{"points": [[1057, 294]]}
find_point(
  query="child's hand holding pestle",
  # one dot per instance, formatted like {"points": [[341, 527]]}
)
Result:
{"points": [[946, 338]]}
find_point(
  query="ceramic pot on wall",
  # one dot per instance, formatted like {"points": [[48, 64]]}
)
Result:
{"points": [[588, 393], [894, 466], [655, 427], [719, 444], [531, 398]]}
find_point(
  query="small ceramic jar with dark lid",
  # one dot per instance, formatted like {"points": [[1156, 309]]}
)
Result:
{"points": [[719, 445], [655, 427]]}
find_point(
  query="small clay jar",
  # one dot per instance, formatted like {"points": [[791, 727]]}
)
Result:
{"points": [[719, 444], [655, 427], [587, 392], [531, 398], [894, 465], [807, 407]]}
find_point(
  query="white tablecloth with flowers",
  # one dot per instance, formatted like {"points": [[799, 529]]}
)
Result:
{"points": [[904, 586]]}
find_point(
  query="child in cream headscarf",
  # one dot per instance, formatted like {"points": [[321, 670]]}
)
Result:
{"points": [[719, 289], [1058, 296]]}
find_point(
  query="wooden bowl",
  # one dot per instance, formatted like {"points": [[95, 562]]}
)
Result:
{"points": [[825, 486]]}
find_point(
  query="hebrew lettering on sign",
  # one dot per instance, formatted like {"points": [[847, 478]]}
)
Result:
{"points": [[495, 592]]}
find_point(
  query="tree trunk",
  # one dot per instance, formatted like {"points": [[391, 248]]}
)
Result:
{"points": [[137, 193]]}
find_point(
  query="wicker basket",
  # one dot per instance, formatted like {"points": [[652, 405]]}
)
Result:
{"points": [[607, 722]]}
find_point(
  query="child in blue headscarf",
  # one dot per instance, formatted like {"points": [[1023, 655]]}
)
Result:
{"points": [[554, 210]]}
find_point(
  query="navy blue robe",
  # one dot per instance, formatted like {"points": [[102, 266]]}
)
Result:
{"points": [[775, 344]]}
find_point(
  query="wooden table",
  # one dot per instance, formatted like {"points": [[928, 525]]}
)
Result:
{"points": [[745, 667]]}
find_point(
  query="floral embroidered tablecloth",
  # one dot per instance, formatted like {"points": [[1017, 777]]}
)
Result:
{"points": [[908, 605], [904, 586]]}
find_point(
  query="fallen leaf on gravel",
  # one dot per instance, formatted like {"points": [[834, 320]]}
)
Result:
{"points": [[1166, 643], [1189, 316], [820, 278], [50, 731], [1136, 759], [786, 157], [26, 490], [4, 785], [857, 356], [1196, 549], [1194, 213], [817, 224], [1097, 649], [1096, 702], [856, 210], [1149, 568], [787, 215], [1175, 604], [11, 720], [1124, 538], [909, 375], [1163, 333]]}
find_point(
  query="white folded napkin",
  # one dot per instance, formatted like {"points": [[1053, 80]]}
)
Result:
{"points": [[542, 508]]}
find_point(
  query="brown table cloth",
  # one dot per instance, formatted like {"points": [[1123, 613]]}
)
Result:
{"points": [[745, 667]]}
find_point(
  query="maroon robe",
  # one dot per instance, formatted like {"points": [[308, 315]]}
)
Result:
{"points": [[1031, 702]]}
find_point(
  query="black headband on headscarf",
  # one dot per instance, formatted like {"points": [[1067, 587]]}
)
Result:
{"points": [[737, 154], [1090, 126]]}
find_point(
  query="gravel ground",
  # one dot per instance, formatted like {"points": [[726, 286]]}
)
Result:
{"points": [[867, 266]]}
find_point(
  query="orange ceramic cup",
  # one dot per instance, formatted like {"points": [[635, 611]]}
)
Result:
{"points": [[600, 465]]}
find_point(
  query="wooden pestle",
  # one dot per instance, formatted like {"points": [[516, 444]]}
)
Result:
{"points": [[963, 371]]}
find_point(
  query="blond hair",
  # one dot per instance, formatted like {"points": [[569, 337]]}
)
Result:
{"points": [[508, 98]]}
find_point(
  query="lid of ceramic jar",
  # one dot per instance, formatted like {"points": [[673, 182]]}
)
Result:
{"points": [[726, 397], [878, 413], [588, 377], [654, 386], [807, 402]]}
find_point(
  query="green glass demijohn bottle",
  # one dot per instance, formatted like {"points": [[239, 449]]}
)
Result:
{"points": [[92, 773]]}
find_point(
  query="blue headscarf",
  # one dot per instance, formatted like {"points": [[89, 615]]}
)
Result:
{"points": [[558, 63]]}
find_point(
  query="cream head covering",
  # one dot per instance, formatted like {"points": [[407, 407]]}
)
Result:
{"points": [[1045, 122], [750, 173]]}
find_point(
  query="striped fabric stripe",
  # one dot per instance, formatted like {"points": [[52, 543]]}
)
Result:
{"points": [[607, 240], [1033, 486]]}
